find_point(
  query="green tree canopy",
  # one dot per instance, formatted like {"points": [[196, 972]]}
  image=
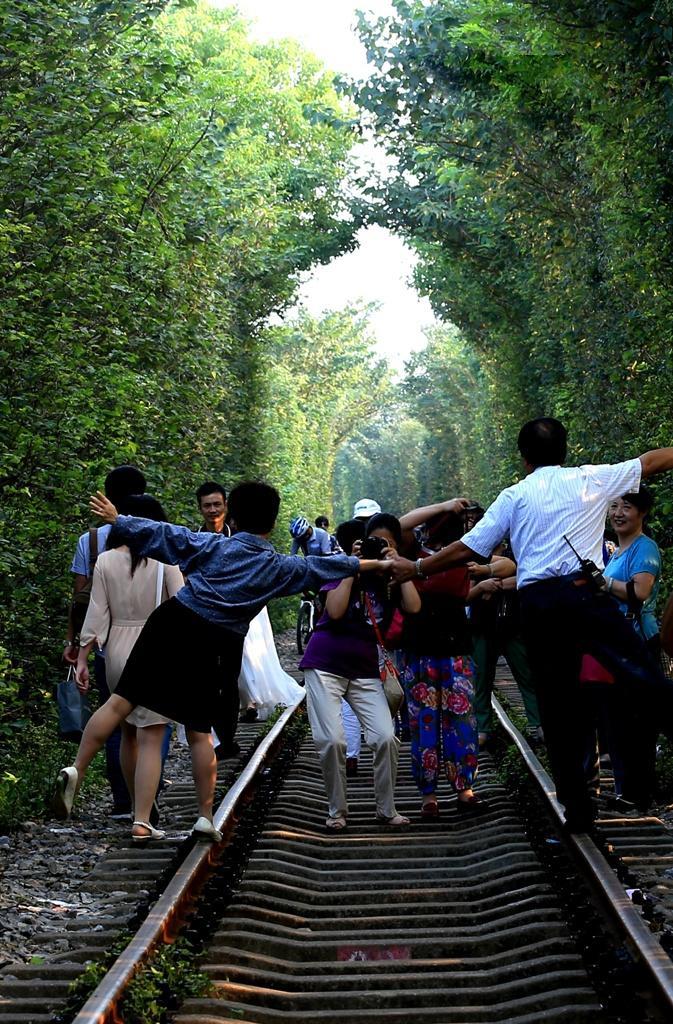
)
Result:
{"points": [[164, 182], [532, 147]]}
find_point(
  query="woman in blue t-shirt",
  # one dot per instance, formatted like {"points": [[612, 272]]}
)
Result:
{"points": [[632, 578], [634, 570]]}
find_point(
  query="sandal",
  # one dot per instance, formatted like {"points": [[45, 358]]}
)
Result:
{"points": [[336, 824], [397, 819], [154, 833], [430, 810], [206, 831], [473, 805]]}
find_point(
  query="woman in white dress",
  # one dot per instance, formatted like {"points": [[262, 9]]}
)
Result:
{"points": [[263, 683], [125, 591]]}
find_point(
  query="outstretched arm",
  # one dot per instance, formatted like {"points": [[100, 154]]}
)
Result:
{"points": [[421, 515], [499, 568], [657, 461], [455, 554], [174, 545]]}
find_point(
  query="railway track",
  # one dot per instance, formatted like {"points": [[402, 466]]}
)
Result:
{"points": [[126, 881], [462, 921]]}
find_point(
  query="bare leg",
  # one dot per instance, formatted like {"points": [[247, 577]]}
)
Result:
{"points": [[204, 770], [128, 753], [148, 771], [98, 728]]}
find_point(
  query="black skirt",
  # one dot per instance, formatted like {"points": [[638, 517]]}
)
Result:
{"points": [[182, 666]]}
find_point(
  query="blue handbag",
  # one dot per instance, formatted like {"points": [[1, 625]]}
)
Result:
{"points": [[73, 708]]}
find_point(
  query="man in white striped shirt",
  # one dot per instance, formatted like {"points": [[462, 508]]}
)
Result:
{"points": [[564, 614]]}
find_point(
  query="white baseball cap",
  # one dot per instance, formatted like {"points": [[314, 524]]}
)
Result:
{"points": [[365, 508]]}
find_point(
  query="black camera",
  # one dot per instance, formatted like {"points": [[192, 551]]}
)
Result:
{"points": [[373, 547]]}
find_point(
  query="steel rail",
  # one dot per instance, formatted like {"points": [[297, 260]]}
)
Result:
{"points": [[647, 948], [163, 921]]}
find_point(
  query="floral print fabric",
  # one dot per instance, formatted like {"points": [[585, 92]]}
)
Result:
{"points": [[439, 692]]}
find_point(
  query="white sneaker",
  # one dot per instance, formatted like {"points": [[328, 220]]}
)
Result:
{"points": [[206, 831], [64, 792]]}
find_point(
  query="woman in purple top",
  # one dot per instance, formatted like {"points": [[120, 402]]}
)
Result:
{"points": [[342, 661]]}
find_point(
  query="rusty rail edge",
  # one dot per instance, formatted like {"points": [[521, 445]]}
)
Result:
{"points": [[646, 946], [163, 921]]}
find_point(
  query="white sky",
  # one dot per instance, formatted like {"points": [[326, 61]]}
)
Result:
{"points": [[379, 270]]}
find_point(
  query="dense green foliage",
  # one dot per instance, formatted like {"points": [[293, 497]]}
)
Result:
{"points": [[385, 460], [532, 146], [436, 440], [323, 381], [164, 181]]}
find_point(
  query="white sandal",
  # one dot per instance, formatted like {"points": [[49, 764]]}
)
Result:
{"points": [[394, 822], [154, 833], [65, 791], [206, 831]]}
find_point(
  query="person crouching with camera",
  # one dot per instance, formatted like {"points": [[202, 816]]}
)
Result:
{"points": [[342, 661]]}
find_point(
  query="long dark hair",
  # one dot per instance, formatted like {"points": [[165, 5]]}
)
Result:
{"points": [[145, 507]]}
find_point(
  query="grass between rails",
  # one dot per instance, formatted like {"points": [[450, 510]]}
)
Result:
{"points": [[170, 977]]}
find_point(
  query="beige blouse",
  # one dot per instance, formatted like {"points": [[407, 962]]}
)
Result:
{"points": [[119, 607]]}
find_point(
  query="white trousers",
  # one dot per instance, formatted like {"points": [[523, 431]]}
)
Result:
{"points": [[352, 729], [324, 692]]}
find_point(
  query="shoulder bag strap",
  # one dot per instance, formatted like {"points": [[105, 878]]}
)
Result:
{"points": [[387, 661], [93, 549], [160, 585], [372, 618]]}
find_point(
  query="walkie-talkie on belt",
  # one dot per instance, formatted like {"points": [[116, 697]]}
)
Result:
{"points": [[589, 569]]}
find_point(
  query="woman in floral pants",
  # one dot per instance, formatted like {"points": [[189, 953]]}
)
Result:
{"points": [[437, 673], [439, 692]]}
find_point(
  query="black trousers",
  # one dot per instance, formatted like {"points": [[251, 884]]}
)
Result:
{"points": [[225, 720], [563, 618]]}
